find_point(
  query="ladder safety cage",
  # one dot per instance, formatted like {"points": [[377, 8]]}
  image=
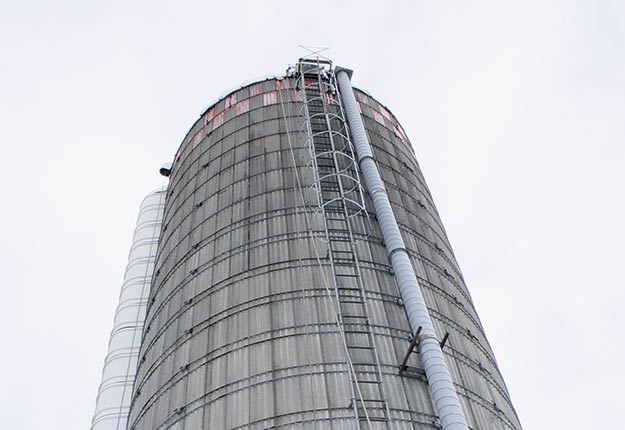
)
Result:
{"points": [[332, 156], [341, 205]]}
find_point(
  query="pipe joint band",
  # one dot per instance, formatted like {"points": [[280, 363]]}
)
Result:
{"points": [[365, 157], [397, 249], [376, 190]]}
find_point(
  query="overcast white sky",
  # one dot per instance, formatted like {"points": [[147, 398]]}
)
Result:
{"points": [[515, 108]]}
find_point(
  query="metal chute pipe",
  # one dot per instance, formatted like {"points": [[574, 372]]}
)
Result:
{"points": [[442, 391]]}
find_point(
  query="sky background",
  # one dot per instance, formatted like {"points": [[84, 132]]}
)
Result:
{"points": [[515, 109]]}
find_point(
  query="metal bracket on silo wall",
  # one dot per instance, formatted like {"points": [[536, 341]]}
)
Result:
{"points": [[441, 387]]}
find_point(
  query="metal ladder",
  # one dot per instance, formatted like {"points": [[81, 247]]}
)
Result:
{"points": [[341, 203]]}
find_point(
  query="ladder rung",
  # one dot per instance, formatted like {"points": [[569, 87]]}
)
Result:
{"points": [[356, 331], [364, 323], [363, 327], [347, 275], [338, 230], [355, 328], [373, 418], [357, 324], [337, 219], [355, 293], [325, 163], [346, 266], [330, 186], [359, 317], [339, 237], [351, 299], [370, 400], [345, 258], [367, 381]]}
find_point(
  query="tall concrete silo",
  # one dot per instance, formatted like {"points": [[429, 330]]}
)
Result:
{"points": [[304, 279], [120, 364]]}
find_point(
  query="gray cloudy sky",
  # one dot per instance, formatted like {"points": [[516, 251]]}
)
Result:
{"points": [[516, 110]]}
